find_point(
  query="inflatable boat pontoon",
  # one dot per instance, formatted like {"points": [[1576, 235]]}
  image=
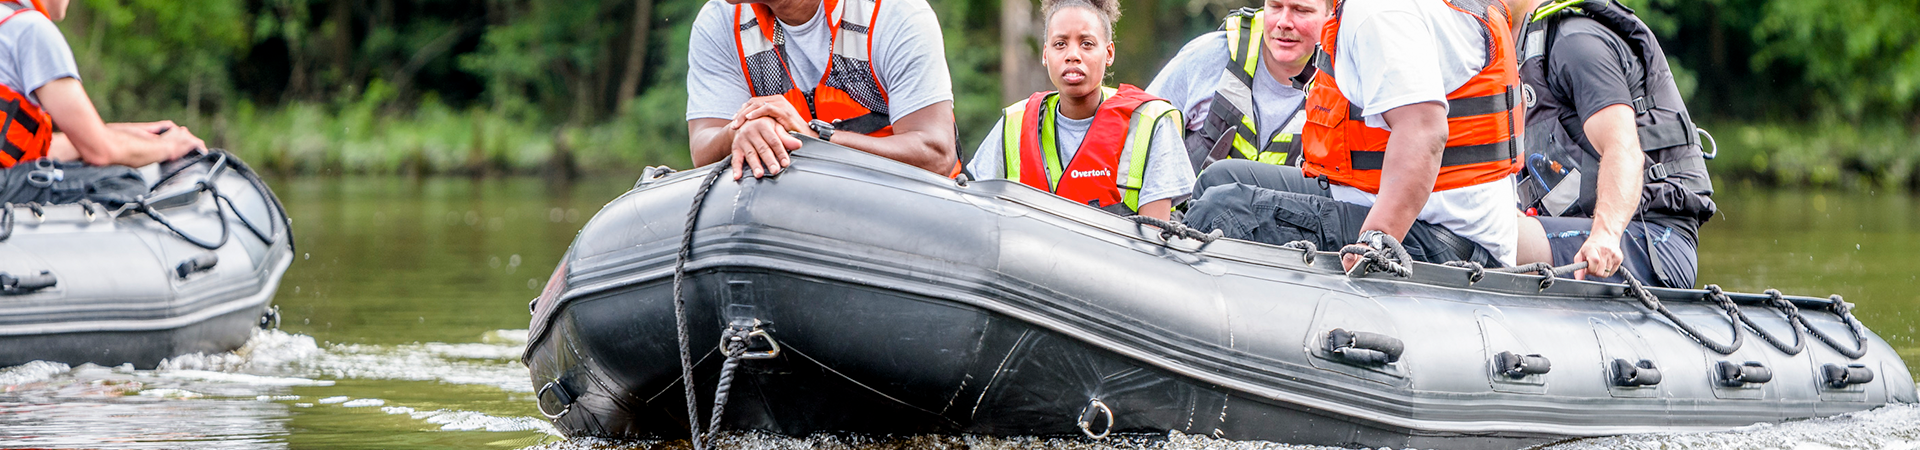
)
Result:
{"points": [[191, 268], [862, 295]]}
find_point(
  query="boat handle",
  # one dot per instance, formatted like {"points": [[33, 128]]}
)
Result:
{"points": [[1515, 365], [1739, 374], [1839, 377], [196, 264], [1362, 347], [26, 284], [1628, 373]]}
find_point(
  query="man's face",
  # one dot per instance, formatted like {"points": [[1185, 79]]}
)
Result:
{"points": [[1076, 51], [1293, 28]]}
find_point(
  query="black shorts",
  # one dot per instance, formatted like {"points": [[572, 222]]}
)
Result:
{"points": [[1275, 205], [1673, 261]]}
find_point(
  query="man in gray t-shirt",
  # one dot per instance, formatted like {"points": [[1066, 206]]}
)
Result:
{"points": [[904, 85], [36, 62]]}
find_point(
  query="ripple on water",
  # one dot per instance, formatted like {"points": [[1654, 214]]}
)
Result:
{"points": [[1893, 427]]}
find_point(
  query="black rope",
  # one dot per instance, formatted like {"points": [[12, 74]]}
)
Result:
{"points": [[733, 344], [1306, 248], [1786, 308], [1839, 308], [680, 307], [1170, 230], [1733, 316]]}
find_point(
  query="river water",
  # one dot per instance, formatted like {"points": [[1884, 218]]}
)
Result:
{"points": [[406, 311]]}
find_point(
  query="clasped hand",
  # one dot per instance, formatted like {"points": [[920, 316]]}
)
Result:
{"points": [[760, 139]]}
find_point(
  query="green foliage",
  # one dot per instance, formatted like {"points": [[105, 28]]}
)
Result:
{"points": [[1858, 55], [138, 56], [1827, 153]]}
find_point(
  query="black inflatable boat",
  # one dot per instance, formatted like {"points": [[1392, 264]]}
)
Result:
{"points": [[861, 295], [190, 268]]}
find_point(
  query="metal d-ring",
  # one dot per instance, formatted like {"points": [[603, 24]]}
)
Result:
{"points": [[769, 354], [1086, 419], [564, 409]]}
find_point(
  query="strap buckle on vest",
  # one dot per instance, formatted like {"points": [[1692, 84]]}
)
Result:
{"points": [[1657, 172], [1642, 104]]}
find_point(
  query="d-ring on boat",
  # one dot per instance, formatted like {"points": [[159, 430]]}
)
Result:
{"points": [[189, 268], [855, 294]]}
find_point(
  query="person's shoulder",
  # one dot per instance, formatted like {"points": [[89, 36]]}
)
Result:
{"points": [[904, 8], [716, 13], [1577, 25], [29, 22]]}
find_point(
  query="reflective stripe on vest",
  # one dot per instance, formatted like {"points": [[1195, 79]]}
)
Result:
{"points": [[1110, 165], [28, 130], [848, 93], [1233, 102], [1483, 130]]}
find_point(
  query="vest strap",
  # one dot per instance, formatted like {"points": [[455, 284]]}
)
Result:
{"points": [[1481, 106], [1452, 156]]}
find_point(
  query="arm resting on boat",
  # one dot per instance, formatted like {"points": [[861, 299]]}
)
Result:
{"points": [[924, 139], [86, 138]]}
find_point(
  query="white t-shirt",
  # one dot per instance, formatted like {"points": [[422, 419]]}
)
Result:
{"points": [[1169, 173], [33, 53], [1393, 53], [909, 57], [1190, 79]]}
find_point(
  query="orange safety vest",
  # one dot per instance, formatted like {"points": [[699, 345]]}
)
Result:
{"points": [[1110, 166], [849, 93], [1484, 125], [28, 130]]}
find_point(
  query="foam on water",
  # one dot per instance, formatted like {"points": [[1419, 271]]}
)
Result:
{"points": [[453, 420], [1889, 427], [32, 372]]}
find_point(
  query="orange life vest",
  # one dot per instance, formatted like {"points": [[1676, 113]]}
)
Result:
{"points": [[28, 129], [848, 94], [1484, 125], [1110, 166]]}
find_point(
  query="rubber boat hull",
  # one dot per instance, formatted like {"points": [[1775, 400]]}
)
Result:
{"points": [[129, 289], [906, 303]]}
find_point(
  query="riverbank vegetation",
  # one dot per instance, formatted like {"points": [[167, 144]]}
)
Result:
{"points": [[1814, 92]]}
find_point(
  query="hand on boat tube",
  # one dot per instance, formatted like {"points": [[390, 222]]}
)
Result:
{"points": [[1602, 255]]}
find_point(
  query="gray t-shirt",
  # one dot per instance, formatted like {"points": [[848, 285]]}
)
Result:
{"points": [[1169, 173], [35, 54], [1191, 77], [908, 56]]}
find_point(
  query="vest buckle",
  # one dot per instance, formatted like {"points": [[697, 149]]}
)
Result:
{"points": [[1657, 172]]}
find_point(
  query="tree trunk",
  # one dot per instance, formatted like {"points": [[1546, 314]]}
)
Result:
{"points": [[1020, 71], [1137, 40], [636, 53]]}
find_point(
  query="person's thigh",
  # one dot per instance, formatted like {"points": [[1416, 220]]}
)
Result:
{"points": [[1565, 236], [1247, 212], [1253, 173]]}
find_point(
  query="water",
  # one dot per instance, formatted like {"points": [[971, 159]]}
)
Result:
{"points": [[405, 314]]}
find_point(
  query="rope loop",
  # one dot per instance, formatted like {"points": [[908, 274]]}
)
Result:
{"points": [[1170, 230], [1475, 271], [1379, 252], [1734, 318], [1839, 307], [1306, 247], [1777, 301]]}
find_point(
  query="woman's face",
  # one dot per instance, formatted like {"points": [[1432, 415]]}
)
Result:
{"points": [[1076, 52]]}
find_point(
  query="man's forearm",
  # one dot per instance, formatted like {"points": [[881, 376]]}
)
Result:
{"points": [[1411, 168], [1617, 190], [918, 148], [710, 140]]}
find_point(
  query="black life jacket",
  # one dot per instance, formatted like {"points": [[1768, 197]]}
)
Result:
{"points": [[1561, 173], [1229, 130]]}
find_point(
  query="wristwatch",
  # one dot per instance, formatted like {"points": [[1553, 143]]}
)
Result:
{"points": [[823, 128]]}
